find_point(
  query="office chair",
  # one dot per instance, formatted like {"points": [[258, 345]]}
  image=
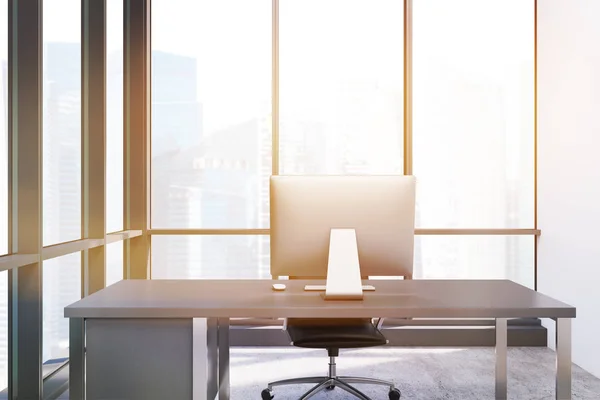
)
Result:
{"points": [[304, 210], [333, 335]]}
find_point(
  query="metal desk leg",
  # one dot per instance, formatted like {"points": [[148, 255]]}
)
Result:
{"points": [[224, 389], [205, 358], [501, 358], [563, 359], [77, 358]]}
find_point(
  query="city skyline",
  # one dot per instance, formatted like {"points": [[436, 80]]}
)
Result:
{"points": [[510, 255]]}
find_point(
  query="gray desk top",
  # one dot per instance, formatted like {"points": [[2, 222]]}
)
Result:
{"points": [[256, 298]]}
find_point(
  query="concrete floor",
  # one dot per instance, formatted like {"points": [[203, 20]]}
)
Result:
{"points": [[420, 373]]}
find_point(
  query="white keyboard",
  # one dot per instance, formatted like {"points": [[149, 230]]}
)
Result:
{"points": [[321, 288]]}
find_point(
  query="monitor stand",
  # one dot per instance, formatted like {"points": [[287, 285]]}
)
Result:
{"points": [[344, 281]]}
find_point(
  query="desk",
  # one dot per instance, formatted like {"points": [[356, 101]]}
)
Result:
{"points": [[147, 339]]}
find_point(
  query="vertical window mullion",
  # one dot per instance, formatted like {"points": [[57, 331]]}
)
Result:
{"points": [[25, 136], [93, 140], [136, 86], [408, 42], [275, 88]]}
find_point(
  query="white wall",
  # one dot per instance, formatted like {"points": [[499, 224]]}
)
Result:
{"points": [[569, 166]]}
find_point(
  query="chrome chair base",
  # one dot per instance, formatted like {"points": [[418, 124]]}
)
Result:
{"points": [[329, 383]]}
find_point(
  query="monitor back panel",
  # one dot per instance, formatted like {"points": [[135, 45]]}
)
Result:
{"points": [[304, 209]]}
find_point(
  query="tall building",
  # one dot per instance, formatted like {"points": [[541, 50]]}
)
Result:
{"points": [[303, 147], [232, 188], [213, 185], [213, 181], [176, 135], [176, 112], [176, 199]]}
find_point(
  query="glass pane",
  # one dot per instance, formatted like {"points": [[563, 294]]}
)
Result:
{"points": [[215, 257], [3, 330], [114, 115], [61, 287], [473, 100], [114, 263], [62, 121], [475, 257], [211, 105], [3, 131], [341, 86]]}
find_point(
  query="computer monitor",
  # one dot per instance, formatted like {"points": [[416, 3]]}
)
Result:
{"points": [[305, 209]]}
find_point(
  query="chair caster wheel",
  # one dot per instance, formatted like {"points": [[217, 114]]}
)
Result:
{"points": [[394, 394], [266, 394]]}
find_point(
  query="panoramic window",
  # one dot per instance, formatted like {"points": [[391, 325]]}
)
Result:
{"points": [[61, 121], [62, 286], [211, 135], [473, 134], [61, 168], [473, 113], [114, 115], [340, 92], [211, 132], [114, 137], [341, 89]]}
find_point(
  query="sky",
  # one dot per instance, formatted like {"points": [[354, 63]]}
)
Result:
{"points": [[321, 41], [325, 44]]}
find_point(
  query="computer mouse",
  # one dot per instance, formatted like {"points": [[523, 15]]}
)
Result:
{"points": [[278, 286]]}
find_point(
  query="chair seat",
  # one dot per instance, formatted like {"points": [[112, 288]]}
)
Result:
{"points": [[334, 333]]}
